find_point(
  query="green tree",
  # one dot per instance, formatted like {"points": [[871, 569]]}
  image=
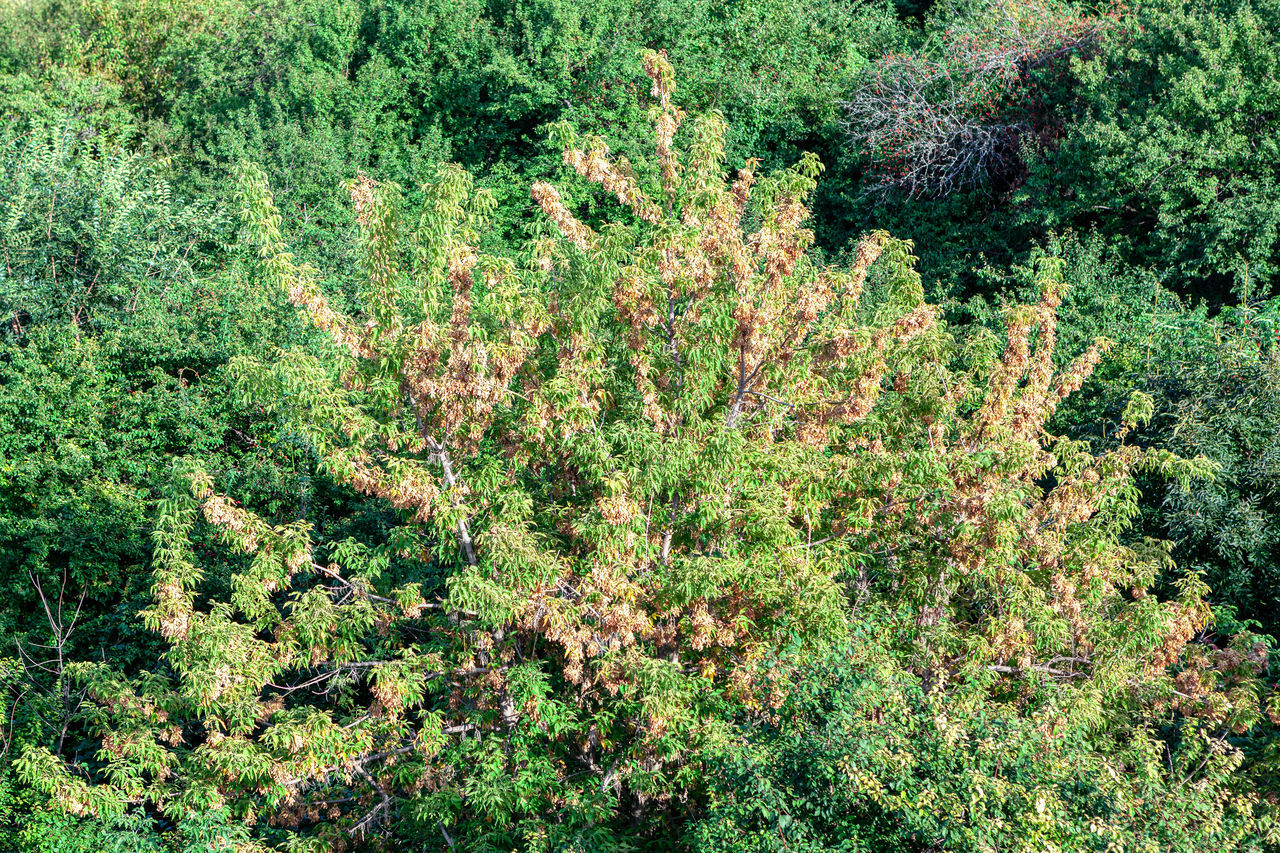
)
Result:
{"points": [[1173, 152], [117, 324]]}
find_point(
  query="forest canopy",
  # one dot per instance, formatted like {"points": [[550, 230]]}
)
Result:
{"points": [[823, 425]]}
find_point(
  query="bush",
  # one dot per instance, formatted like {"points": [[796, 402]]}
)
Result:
{"points": [[862, 759], [957, 114]]}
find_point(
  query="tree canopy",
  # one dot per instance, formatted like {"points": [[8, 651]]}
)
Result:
{"points": [[551, 427]]}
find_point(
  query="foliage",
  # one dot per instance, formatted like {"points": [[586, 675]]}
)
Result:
{"points": [[957, 114], [1219, 401], [88, 229], [1210, 378], [109, 353], [672, 508], [629, 476], [861, 759], [1157, 139], [314, 91], [113, 340], [1177, 142]]}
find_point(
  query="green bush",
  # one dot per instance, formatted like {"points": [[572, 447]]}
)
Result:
{"points": [[861, 759]]}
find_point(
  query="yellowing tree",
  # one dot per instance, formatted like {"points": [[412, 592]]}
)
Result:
{"points": [[638, 474]]}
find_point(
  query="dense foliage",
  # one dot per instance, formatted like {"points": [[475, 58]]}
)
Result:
{"points": [[561, 426]]}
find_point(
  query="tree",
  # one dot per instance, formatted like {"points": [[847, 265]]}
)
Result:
{"points": [[1172, 141], [957, 114], [119, 308], [642, 476], [1215, 391]]}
